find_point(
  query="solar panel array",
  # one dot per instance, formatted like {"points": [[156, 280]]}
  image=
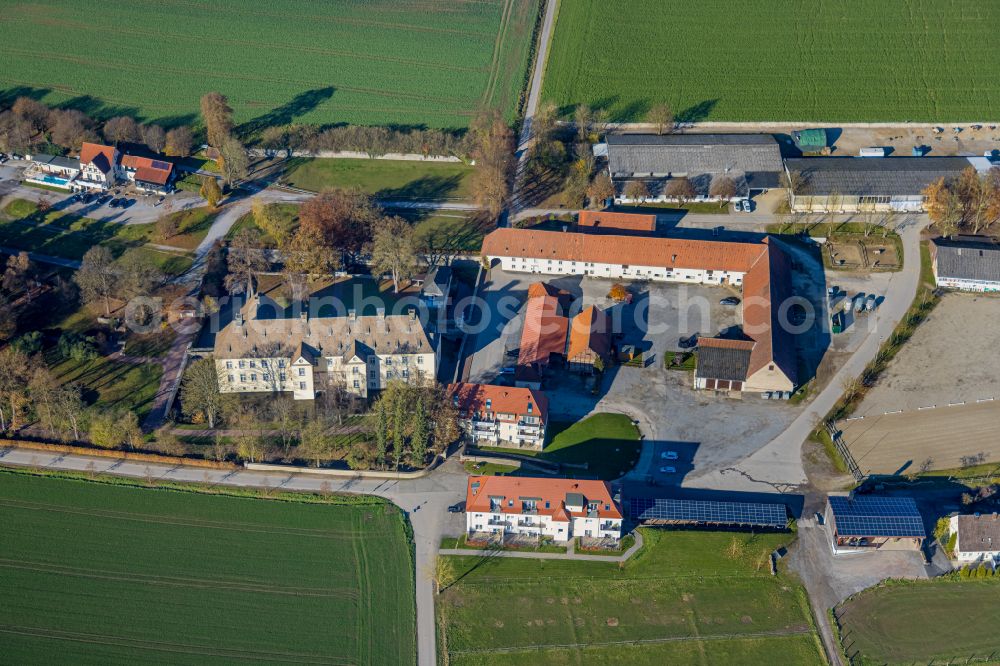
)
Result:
{"points": [[157, 164], [871, 516], [702, 511]]}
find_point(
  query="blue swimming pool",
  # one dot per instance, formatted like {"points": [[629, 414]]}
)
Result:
{"points": [[54, 180]]}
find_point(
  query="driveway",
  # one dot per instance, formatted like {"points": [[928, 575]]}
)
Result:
{"points": [[425, 502]]}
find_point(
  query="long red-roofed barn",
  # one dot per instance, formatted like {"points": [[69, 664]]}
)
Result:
{"points": [[501, 506], [764, 362]]}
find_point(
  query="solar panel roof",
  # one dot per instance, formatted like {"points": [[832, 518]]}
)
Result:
{"points": [[873, 516], [702, 511], [158, 164]]}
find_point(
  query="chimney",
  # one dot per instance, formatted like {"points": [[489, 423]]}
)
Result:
{"points": [[352, 314], [238, 318], [380, 312], [413, 314], [303, 316]]}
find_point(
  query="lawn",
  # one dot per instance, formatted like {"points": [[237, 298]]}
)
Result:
{"points": [[608, 443], [63, 234], [384, 179], [68, 235], [400, 62], [854, 60], [97, 573], [939, 621], [192, 226], [286, 213], [109, 384], [689, 596]]}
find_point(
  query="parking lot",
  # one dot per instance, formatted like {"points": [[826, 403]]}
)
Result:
{"points": [[145, 208]]}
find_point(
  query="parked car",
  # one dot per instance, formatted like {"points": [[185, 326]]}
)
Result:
{"points": [[729, 300], [456, 508], [509, 370], [127, 202], [667, 469], [859, 302], [669, 455], [871, 302], [3, 158], [688, 343]]}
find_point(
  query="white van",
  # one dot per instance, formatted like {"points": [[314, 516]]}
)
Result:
{"points": [[873, 151]]}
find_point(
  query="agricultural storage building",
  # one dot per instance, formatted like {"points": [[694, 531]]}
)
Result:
{"points": [[752, 161], [967, 264], [860, 522], [851, 184]]}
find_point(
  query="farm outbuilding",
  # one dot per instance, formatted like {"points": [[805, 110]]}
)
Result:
{"points": [[967, 263], [853, 184], [751, 161], [872, 522]]}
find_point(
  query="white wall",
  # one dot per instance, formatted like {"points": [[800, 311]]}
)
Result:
{"points": [[618, 271]]}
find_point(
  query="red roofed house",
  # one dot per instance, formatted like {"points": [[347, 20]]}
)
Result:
{"points": [[544, 507], [149, 175], [543, 335], [99, 166], [502, 415], [589, 340]]}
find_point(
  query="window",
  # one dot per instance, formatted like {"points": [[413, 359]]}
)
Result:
{"points": [[243, 377], [283, 376], [356, 370], [242, 365], [356, 384], [302, 372], [529, 407], [406, 374], [253, 364], [230, 379], [302, 386], [229, 365], [373, 374], [281, 362], [267, 377], [388, 361], [420, 360], [489, 404], [253, 376]]}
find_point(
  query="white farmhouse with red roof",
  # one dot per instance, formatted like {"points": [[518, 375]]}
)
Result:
{"points": [[527, 506], [100, 167]]}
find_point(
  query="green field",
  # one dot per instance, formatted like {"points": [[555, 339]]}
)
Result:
{"points": [[853, 60], [405, 62], [384, 179], [940, 621], [98, 574], [686, 597]]}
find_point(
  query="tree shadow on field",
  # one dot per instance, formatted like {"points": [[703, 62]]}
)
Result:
{"points": [[425, 188], [299, 105], [98, 109], [9, 95], [698, 112], [633, 112], [171, 122]]}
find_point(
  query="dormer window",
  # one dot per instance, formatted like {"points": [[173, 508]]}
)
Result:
{"points": [[530, 407], [489, 404]]}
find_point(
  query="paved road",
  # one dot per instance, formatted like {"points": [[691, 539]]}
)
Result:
{"points": [[424, 500], [534, 93], [42, 258], [779, 463]]}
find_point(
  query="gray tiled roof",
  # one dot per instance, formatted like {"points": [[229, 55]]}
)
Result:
{"points": [[437, 281], [965, 260], [721, 363], [873, 176], [693, 154]]}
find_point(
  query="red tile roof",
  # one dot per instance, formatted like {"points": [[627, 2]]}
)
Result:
{"points": [[103, 157], [607, 222], [544, 331], [471, 399], [623, 250], [148, 170], [589, 331], [512, 489]]}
